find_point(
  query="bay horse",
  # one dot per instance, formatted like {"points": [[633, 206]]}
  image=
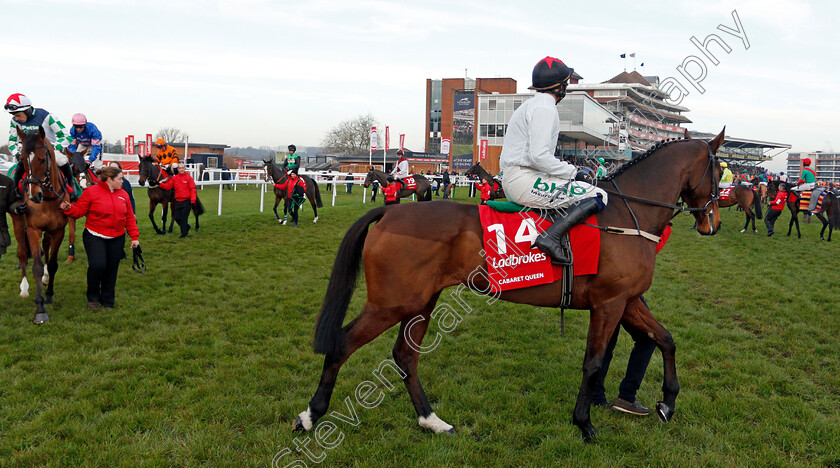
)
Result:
{"points": [[278, 176], [423, 190], [746, 199], [445, 241], [151, 172], [829, 213], [40, 230], [483, 174], [83, 171]]}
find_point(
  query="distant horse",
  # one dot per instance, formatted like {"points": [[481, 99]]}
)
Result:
{"points": [[829, 213], [761, 188], [497, 191], [83, 172], [444, 245], [423, 190], [44, 189], [278, 176], [745, 198], [152, 173]]}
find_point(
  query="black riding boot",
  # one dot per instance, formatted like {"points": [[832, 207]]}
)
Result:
{"points": [[549, 241], [16, 176], [68, 177]]}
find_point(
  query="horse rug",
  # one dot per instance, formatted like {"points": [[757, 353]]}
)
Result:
{"points": [[408, 183], [817, 200], [724, 193], [804, 200], [513, 264]]}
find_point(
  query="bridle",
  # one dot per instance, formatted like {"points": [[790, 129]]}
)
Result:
{"points": [[44, 182], [160, 175], [681, 208]]}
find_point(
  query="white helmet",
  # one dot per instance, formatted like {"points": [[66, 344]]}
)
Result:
{"points": [[18, 103]]}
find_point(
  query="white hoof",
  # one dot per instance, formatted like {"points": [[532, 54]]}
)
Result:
{"points": [[315, 220], [435, 424], [24, 288], [743, 231], [306, 419], [45, 280], [279, 220]]}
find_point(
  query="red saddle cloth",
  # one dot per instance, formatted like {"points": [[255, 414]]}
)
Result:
{"points": [[408, 183], [724, 193], [513, 264]]}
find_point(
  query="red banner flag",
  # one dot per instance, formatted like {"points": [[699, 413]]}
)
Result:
{"points": [[141, 149], [149, 143], [387, 138], [483, 151], [125, 148], [402, 140], [131, 144]]}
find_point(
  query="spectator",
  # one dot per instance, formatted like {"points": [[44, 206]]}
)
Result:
{"points": [[375, 188], [185, 196], [350, 184], [446, 183], [109, 217], [226, 175]]}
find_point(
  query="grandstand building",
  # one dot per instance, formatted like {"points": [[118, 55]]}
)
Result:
{"points": [[742, 150], [826, 165], [645, 117]]}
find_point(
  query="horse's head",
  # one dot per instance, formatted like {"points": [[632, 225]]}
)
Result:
{"points": [[38, 158], [473, 170], [371, 176], [700, 190], [145, 168]]}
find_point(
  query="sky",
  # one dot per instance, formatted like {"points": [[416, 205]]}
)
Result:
{"points": [[272, 73]]}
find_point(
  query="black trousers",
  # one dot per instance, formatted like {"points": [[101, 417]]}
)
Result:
{"points": [[637, 365], [770, 219], [104, 257], [181, 215]]}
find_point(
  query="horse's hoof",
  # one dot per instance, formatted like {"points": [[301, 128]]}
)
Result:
{"points": [[664, 412], [48, 300], [315, 220], [160, 232], [24, 294], [590, 435], [297, 426], [743, 231], [450, 431], [41, 318], [755, 231]]}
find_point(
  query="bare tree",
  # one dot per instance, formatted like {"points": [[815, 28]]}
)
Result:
{"points": [[172, 135], [350, 136]]}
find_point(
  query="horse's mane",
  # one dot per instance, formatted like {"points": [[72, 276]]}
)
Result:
{"points": [[641, 157]]}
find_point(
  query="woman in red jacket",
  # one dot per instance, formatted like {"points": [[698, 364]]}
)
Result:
{"points": [[109, 216], [295, 188], [485, 187], [185, 196]]}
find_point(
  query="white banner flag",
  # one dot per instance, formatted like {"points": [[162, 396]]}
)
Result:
{"points": [[373, 140], [444, 146]]}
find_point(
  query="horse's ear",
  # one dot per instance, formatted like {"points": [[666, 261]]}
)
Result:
{"points": [[717, 141], [41, 133], [687, 136]]}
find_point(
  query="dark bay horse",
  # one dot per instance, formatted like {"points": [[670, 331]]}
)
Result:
{"points": [[83, 172], [498, 191], [152, 173], [829, 213], [278, 176], [445, 241], [423, 190], [44, 188], [746, 199]]}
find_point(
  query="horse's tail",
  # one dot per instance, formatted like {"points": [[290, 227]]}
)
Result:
{"points": [[328, 337], [757, 205], [834, 216], [318, 201]]}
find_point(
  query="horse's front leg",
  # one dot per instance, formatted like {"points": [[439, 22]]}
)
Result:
{"points": [[638, 316], [38, 272], [171, 221], [52, 263], [602, 323], [152, 218]]}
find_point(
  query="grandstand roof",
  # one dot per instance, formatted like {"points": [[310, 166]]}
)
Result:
{"points": [[632, 77], [733, 142]]}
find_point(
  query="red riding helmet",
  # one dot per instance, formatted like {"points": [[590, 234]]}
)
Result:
{"points": [[806, 161]]}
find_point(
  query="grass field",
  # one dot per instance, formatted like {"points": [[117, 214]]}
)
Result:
{"points": [[207, 360]]}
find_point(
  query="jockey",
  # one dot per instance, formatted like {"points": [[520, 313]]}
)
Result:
{"points": [[30, 119], [782, 176], [86, 138], [166, 155], [602, 171], [400, 170], [808, 178], [533, 175], [292, 162], [727, 177]]}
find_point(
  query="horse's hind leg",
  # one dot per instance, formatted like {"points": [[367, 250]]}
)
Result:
{"points": [[747, 223], [171, 221], [367, 326], [314, 209], [406, 354], [638, 316]]}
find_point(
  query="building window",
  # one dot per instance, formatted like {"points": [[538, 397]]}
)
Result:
{"points": [[491, 131], [500, 130], [492, 104], [482, 130]]}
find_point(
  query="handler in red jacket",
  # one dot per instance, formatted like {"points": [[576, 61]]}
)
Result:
{"points": [[109, 217], [295, 188], [485, 188], [185, 196], [776, 208], [390, 192]]}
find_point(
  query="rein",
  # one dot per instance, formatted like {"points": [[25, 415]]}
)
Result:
{"points": [[678, 208]]}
